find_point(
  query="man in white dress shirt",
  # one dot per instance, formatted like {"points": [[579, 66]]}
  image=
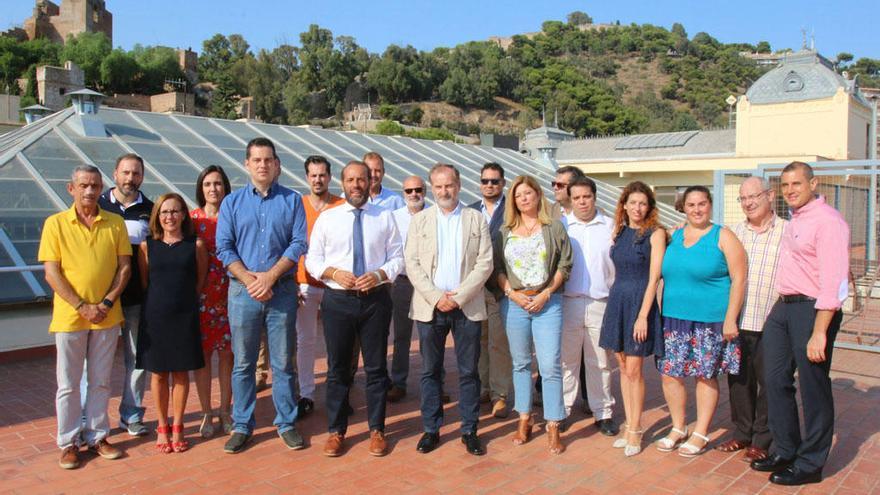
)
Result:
{"points": [[584, 300], [356, 251], [401, 293]]}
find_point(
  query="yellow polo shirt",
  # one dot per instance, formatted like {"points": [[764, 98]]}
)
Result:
{"points": [[88, 262]]}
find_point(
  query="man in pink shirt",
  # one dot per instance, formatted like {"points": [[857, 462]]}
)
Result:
{"points": [[812, 281]]}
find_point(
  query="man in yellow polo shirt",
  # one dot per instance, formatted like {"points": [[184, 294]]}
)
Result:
{"points": [[87, 256]]}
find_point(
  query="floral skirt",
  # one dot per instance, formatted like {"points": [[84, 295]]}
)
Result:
{"points": [[697, 349]]}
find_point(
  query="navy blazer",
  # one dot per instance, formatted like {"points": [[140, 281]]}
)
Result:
{"points": [[497, 215], [494, 228]]}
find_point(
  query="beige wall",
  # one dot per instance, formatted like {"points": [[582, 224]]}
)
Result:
{"points": [[830, 127]]}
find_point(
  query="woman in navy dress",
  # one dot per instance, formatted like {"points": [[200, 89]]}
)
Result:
{"points": [[173, 266], [631, 327]]}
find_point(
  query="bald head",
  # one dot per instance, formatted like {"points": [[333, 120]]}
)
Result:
{"points": [[756, 200], [414, 193]]}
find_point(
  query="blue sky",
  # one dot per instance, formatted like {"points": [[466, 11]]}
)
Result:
{"points": [[838, 26]]}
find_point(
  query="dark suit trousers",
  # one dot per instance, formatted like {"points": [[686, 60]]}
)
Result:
{"points": [[748, 394], [786, 332], [346, 317], [432, 344]]}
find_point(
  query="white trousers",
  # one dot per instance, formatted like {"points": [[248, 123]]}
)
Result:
{"points": [[73, 349], [306, 336], [581, 324]]}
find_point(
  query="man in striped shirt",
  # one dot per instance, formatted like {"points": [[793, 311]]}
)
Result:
{"points": [[760, 234]]}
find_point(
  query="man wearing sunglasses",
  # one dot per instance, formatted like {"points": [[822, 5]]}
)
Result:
{"points": [[564, 177], [495, 367], [402, 291]]}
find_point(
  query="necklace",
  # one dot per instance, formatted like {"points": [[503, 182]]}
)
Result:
{"points": [[530, 230]]}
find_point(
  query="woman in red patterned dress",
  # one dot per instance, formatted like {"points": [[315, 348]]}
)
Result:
{"points": [[211, 187]]}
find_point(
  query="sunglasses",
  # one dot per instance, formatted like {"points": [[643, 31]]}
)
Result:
{"points": [[416, 190], [558, 185], [486, 182]]}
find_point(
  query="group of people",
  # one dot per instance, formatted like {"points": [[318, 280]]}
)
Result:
{"points": [[505, 275]]}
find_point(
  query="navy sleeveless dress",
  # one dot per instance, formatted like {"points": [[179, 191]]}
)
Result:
{"points": [[631, 254], [169, 338]]}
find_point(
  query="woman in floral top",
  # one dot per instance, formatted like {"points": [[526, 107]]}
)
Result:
{"points": [[532, 260], [211, 187]]}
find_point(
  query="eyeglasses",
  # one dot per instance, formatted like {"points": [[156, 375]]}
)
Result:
{"points": [[486, 182], [168, 213], [558, 185], [414, 190], [753, 197]]}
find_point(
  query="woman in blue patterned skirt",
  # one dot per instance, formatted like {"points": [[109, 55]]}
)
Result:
{"points": [[704, 277]]}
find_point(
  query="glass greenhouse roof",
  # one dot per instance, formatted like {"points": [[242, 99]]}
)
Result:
{"points": [[36, 162]]}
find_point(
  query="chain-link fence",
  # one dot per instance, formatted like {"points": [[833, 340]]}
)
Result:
{"points": [[851, 188]]}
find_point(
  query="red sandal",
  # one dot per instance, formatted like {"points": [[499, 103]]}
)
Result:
{"points": [[164, 447], [181, 446]]}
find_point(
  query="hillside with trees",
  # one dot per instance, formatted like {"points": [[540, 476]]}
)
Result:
{"points": [[599, 79]]}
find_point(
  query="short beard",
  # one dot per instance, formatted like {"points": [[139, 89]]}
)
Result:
{"points": [[415, 204], [446, 203]]}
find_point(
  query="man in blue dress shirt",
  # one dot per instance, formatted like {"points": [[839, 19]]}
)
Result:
{"points": [[261, 233]]}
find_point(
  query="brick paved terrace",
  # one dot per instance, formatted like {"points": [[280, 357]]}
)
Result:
{"points": [[28, 455]]}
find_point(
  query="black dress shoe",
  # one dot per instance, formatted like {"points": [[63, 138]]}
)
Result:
{"points": [[607, 427], [793, 476], [472, 444], [428, 442], [772, 463], [304, 406]]}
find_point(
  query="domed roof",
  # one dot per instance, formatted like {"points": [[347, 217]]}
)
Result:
{"points": [[801, 76]]}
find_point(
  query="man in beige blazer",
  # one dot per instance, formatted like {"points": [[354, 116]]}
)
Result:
{"points": [[448, 260]]}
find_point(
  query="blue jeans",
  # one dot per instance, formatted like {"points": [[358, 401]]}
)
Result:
{"points": [[247, 319], [131, 409], [545, 329]]}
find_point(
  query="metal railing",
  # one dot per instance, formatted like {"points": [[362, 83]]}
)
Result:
{"points": [[850, 187]]}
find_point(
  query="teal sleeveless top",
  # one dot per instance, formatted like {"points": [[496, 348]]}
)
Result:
{"points": [[696, 282]]}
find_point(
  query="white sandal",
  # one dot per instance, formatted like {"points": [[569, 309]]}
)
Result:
{"points": [[667, 444], [630, 450], [620, 442], [688, 449]]}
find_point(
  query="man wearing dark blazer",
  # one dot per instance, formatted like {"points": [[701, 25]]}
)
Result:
{"points": [[495, 366]]}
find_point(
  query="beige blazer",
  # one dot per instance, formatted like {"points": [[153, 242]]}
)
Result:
{"points": [[420, 255]]}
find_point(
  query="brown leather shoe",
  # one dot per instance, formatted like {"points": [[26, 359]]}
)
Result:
{"points": [[556, 446], [69, 457], [105, 450], [378, 446], [500, 409], [755, 454], [732, 445], [333, 447], [396, 394], [523, 431]]}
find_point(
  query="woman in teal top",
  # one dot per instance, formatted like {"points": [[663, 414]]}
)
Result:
{"points": [[704, 277]]}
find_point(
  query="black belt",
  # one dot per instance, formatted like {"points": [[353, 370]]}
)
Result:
{"points": [[796, 298], [359, 293]]}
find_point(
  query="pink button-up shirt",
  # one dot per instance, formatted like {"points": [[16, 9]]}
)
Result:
{"points": [[814, 255]]}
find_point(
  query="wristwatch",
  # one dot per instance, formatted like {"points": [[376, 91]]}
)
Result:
{"points": [[107, 302]]}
